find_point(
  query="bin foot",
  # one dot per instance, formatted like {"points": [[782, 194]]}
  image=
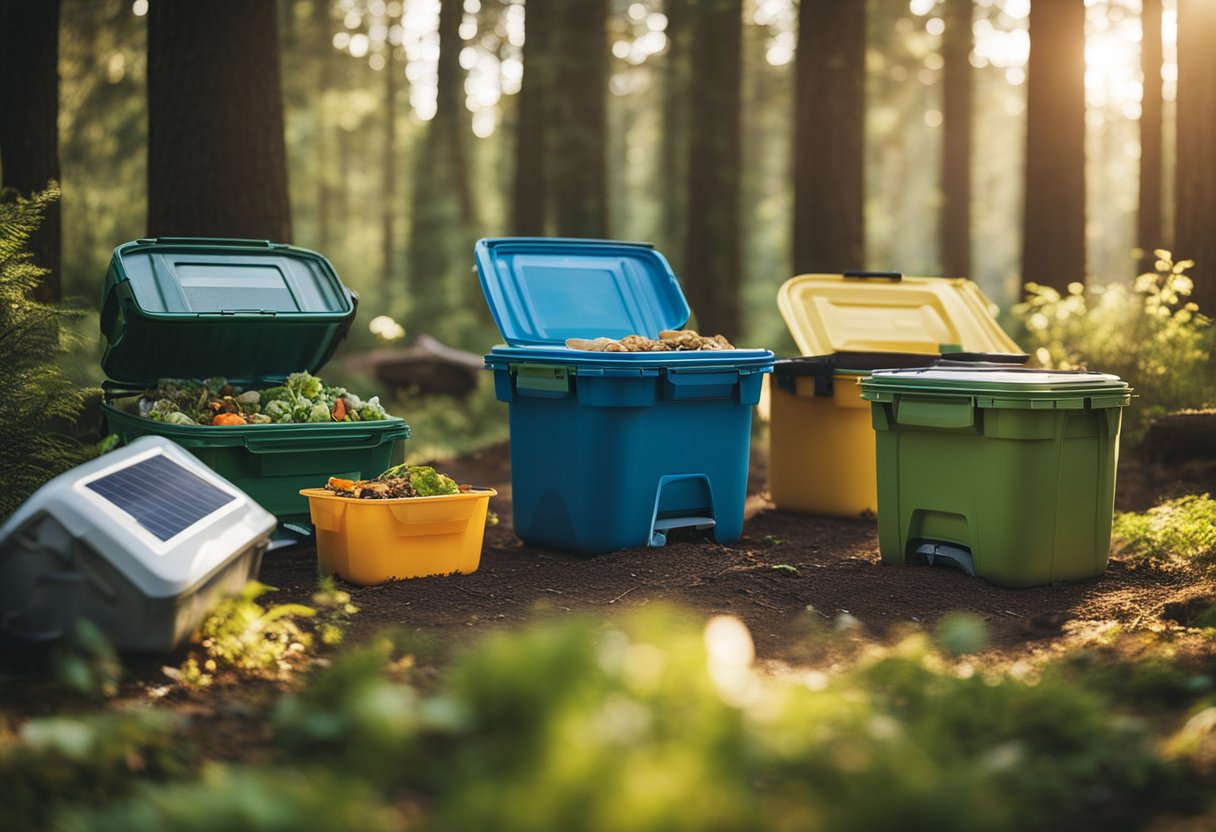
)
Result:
{"points": [[658, 534], [945, 554]]}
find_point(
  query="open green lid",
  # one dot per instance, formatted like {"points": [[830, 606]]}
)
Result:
{"points": [[247, 310]]}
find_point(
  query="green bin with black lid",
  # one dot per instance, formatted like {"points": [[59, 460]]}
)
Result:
{"points": [[1005, 473], [252, 312]]}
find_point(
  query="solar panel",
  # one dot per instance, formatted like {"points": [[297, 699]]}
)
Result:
{"points": [[161, 495]]}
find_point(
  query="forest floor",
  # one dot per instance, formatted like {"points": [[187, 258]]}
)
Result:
{"points": [[791, 578], [836, 570]]}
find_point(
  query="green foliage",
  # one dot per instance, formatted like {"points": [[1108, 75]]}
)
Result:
{"points": [[659, 722], [351, 716], [1150, 336], [242, 635], [654, 724], [89, 760], [250, 800], [1178, 531], [444, 426], [87, 663], [41, 403]]}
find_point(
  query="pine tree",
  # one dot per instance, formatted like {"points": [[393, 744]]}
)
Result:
{"points": [[39, 397]]}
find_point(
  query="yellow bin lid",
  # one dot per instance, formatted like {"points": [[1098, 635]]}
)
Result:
{"points": [[887, 312]]}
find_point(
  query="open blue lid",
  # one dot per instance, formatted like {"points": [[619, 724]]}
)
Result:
{"points": [[543, 290]]}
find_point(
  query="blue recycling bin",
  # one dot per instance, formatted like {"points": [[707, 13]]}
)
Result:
{"points": [[612, 450]]}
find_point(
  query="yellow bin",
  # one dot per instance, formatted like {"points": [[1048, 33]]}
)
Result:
{"points": [[821, 443], [370, 542]]}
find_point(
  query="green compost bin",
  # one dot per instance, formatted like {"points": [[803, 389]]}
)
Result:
{"points": [[252, 312], [1008, 474]]}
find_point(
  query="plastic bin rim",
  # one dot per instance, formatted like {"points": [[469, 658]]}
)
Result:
{"points": [[743, 358], [325, 494], [1001, 379]]}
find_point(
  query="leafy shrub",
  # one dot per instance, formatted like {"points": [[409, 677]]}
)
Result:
{"points": [[1149, 335], [41, 402], [90, 760], [1178, 531], [244, 799], [652, 723], [242, 635]]}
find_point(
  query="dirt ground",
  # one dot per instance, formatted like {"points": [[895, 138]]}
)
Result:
{"points": [[786, 573]]}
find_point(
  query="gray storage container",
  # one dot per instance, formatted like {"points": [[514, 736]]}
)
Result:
{"points": [[143, 542]]}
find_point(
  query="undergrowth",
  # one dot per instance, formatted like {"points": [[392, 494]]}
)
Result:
{"points": [[1178, 531], [654, 722]]}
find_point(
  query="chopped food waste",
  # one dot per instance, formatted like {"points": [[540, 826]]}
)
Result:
{"points": [[398, 481], [301, 398], [668, 340]]}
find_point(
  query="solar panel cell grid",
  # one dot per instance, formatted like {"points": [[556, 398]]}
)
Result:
{"points": [[161, 495]]}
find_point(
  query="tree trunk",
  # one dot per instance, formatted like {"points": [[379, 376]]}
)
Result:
{"points": [[712, 261], [1195, 185], [529, 194], [579, 128], [323, 26], [1053, 242], [829, 137], [451, 115], [956, 139], [29, 113], [442, 210], [674, 172], [1149, 222], [217, 158], [388, 194]]}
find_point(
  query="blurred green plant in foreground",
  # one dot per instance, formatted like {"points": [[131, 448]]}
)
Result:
{"points": [[1150, 335], [658, 721]]}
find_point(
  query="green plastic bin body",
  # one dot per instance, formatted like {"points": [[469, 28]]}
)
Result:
{"points": [[252, 312], [1009, 474]]}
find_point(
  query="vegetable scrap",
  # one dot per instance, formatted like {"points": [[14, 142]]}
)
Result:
{"points": [[668, 340], [301, 398], [398, 481]]}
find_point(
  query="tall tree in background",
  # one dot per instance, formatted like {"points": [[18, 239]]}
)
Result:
{"points": [[29, 130], [1149, 221], [442, 210], [674, 166], [712, 264], [1053, 226], [579, 128], [829, 137], [1195, 183], [388, 207], [217, 159], [955, 238], [530, 190]]}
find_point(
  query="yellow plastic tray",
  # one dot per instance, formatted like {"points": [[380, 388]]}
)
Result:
{"points": [[369, 542]]}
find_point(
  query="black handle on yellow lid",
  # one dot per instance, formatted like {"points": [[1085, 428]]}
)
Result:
{"points": [[894, 277]]}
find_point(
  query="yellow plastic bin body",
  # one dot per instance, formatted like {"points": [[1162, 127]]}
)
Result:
{"points": [[810, 435], [821, 442], [369, 542]]}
